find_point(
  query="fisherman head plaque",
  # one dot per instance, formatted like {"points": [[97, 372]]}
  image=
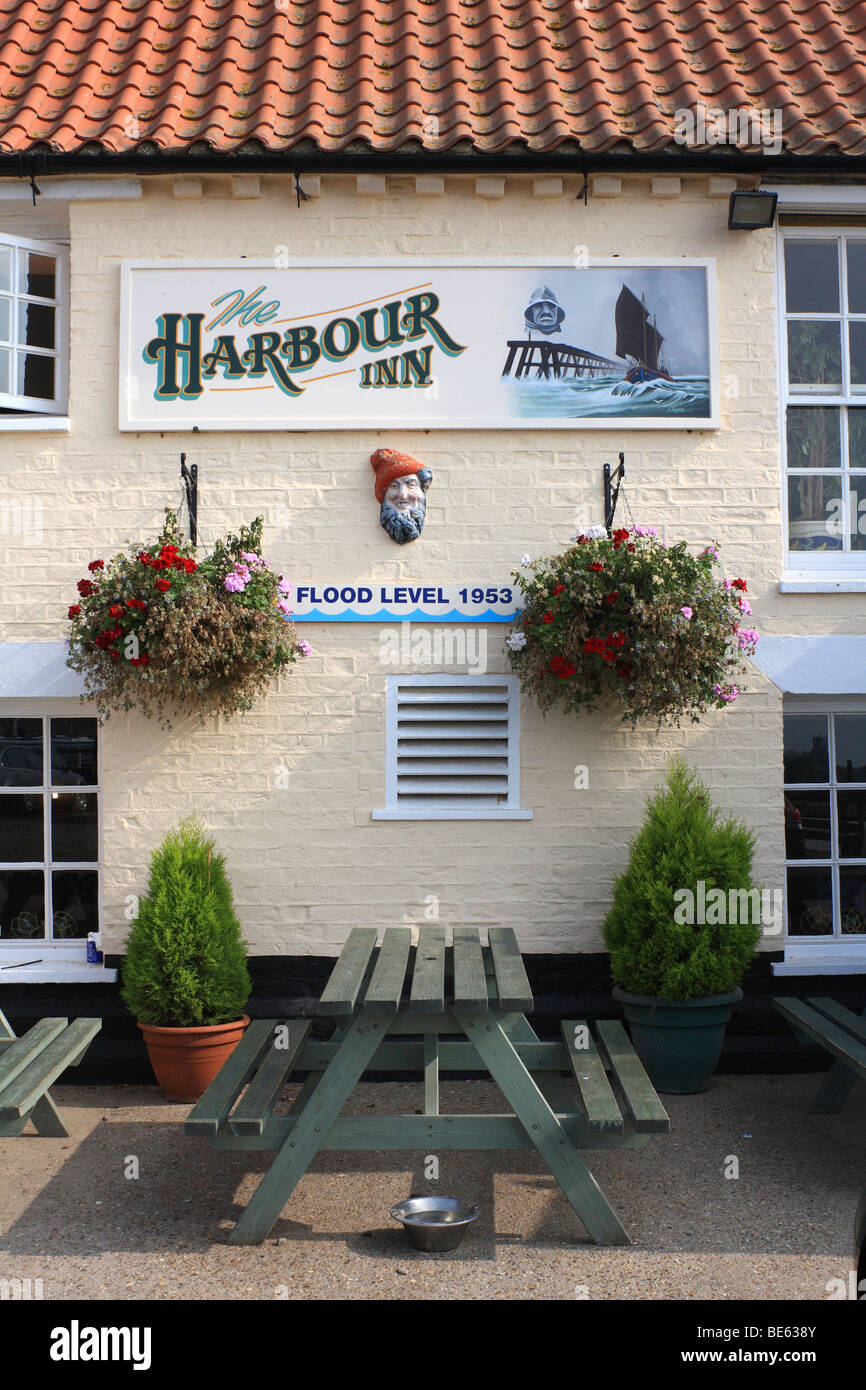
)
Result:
{"points": [[401, 484]]}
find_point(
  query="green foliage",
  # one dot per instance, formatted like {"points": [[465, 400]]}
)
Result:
{"points": [[654, 950], [624, 616], [185, 962]]}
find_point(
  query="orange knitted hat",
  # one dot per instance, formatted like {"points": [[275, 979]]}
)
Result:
{"points": [[388, 464]]}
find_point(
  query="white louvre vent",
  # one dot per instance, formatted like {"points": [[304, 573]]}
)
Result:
{"points": [[452, 747]]}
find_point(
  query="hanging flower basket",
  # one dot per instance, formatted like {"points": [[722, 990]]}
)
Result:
{"points": [[654, 626], [156, 630]]}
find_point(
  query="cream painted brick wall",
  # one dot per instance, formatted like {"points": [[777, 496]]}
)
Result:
{"points": [[308, 862]]}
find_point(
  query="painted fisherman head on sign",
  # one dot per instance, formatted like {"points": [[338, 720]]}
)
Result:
{"points": [[401, 484]]}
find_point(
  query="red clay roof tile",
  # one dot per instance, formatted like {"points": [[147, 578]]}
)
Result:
{"points": [[591, 74]]}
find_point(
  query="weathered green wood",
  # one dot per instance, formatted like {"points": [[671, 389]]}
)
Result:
{"points": [[22, 1052], [599, 1103], [837, 1037], [544, 1129], [428, 976], [546, 1061], [64, 1051], [47, 1119], [260, 1097], [10, 1129], [340, 994], [460, 1057], [386, 983], [512, 982], [310, 1130], [5, 1027], [855, 1024], [380, 1133], [212, 1109], [470, 981], [431, 1074], [644, 1106]]}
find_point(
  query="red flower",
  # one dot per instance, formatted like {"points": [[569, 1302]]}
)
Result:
{"points": [[190, 566], [740, 584], [607, 656], [616, 639], [96, 565], [74, 610], [596, 567], [136, 603], [612, 598], [163, 585], [559, 589], [168, 552], [631, 549], [117, 610], [548, 617], [620, 535], [594, 644], [85, 588], [114, 654], [624, 671]]}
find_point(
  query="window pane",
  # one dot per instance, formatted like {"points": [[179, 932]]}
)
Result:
{"points": [[806, 748], [857, 438], [36, 324], [814, 438], [852, 901], [6, 268], [857, 277], [857, 510], [36, 274], [857, 352], [21, 838], [22, 903], [36, 376], [810, 904], [73, 753], [815, 355], [852, 825], [5, 370], [20, 753], [5, 319], [73, 827], [851, 747], [75, 897], [815, 512], [811, 277], [807, 825]]}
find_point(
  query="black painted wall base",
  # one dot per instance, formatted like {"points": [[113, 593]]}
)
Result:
{"points": [[564, 986]]}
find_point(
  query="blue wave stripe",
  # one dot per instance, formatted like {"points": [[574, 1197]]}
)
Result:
{"points": [[417, 616]]}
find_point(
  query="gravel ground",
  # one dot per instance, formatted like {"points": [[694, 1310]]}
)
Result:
{"points": [[70, 1215]]}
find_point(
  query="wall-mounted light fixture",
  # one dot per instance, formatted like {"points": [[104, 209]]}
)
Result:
{"points": [[752, 211]]}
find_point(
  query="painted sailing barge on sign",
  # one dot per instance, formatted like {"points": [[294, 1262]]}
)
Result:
{"points": [[638, 339]]}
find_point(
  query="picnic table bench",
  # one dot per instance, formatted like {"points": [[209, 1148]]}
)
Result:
{"points": [[31, 1063], [435, 1007], [842, 1033]]}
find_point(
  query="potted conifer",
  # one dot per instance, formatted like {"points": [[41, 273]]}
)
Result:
{"points": [[185, 975], [682, 931]]}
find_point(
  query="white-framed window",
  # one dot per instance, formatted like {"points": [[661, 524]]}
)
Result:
{"points": [[452, 748], [34, 330], [825, 830], [822, 296], [49, 833]]}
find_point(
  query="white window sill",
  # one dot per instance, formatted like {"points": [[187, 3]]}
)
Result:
{"points": [[48, 971], [837, 964], [453, 813], [817, 584], [14, 424]]}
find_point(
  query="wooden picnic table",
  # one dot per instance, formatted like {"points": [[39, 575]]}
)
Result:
{"points": [[456, 1008]]}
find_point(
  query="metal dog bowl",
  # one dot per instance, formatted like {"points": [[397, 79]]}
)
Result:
{"points": [[435, 1223]]}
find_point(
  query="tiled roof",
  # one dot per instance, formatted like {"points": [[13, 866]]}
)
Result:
{"points": [[180, 76]]}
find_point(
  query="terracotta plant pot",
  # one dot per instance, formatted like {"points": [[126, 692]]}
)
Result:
{"points": [[186, 1060]]}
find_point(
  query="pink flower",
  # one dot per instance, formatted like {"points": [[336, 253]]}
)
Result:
{"points": [[686, 612], [234, 583], [745, 606], [283, 606], [303, 647], [284, 586]]}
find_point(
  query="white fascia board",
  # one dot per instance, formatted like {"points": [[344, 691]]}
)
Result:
{"points": [[37, 670], [819, 197], [70, 190], [815, 665]]}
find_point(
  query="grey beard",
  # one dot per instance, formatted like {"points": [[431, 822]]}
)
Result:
{"points": [[403, 526]]}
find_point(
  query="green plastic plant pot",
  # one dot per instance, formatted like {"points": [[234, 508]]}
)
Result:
{"points": [[679, 1041]]}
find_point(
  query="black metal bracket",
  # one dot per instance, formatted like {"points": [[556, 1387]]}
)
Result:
{"points": [[189, 478], [584, 192], [610, 493], [299, 190]]}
